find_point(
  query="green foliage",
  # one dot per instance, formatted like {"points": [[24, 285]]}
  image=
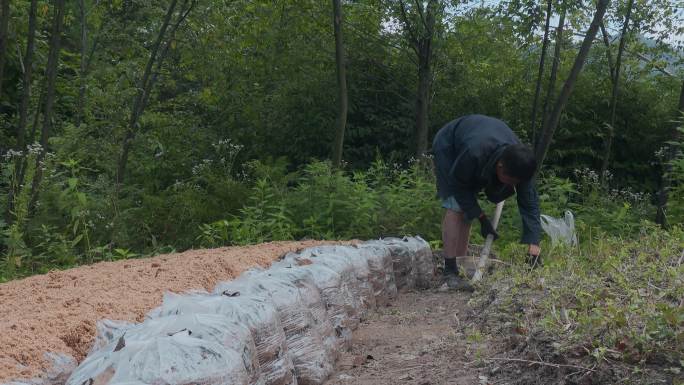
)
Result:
{"points": [[245, 98], [328, 203], [675, 208], [612, 299]]}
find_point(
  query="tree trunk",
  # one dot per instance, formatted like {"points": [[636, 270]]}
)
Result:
{"points": [[50, 80], [554, 67], [614, 93], [80, 106], [609, 55], [566, 91], [27, 77], [424, 51], [341, 83], [542, 59], [4, 27], [23, 110], [671, 152], [423, 96], [144, 87]]}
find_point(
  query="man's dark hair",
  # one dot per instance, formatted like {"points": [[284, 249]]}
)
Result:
{"points": [[519, 162]]}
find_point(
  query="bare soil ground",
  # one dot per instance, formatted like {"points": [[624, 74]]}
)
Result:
{"points": [[421, 339], [57, 312], [436, 337]]}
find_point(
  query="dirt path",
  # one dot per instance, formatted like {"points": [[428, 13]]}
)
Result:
{"points": [[421, 339]]}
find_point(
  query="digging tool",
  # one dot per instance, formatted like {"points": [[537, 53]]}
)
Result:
{"points": [[484, 255]]}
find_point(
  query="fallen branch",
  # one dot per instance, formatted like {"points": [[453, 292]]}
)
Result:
{"points": [[540, 363]]}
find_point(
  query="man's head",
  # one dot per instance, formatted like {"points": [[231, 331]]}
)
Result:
{"points": [[517, 164]]}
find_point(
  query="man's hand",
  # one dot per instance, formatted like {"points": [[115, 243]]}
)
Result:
{"points": [[533, 259], [534, 250], [486, 227]]}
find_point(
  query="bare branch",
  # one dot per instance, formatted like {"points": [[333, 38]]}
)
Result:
{"points": [[408, 27]]}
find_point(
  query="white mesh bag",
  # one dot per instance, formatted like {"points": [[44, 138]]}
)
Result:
{"points": [[256, 313], [312, 362], [178, 359], [304, 280], [382, 273], [338, 298], [211, 327]]}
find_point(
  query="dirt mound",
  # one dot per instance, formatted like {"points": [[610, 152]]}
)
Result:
{"points": [[57, 312]]}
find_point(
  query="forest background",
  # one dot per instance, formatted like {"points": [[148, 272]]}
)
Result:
{"points": [[138, 127]]}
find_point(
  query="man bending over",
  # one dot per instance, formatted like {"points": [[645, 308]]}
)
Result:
{"points": [[475, 153]]}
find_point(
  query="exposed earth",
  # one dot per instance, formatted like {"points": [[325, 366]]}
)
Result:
{"points": [[420, 339]]}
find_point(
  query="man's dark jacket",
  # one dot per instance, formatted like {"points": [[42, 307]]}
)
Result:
{"points": [[466, 151]]}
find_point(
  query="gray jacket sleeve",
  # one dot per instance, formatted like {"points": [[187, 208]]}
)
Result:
{"points": [[528, 204]]}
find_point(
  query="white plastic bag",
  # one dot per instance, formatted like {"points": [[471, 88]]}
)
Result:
{"points": [[107, 331], [258, 314], [171, 360], [382, 273], [336, 294], [424, 263], [304, 280], [312, 362], [215, 328], [560, 229], [349, 284], [344, 257], [403, 262]]}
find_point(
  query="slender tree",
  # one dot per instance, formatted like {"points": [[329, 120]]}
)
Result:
{"points": [[148, 79], [542, 59], [615, 91], [420, 31], [609, 54], [669, 156], [556, 64], [82, 70], [50, 80], [27, 77], [566, 91], [26, 80], [4, 28], [341, 83]]}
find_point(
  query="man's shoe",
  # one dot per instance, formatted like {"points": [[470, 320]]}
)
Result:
{"points": [[455, 282]]}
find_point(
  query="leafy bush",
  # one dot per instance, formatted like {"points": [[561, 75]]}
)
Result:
{"points": [[612, 299], [80, 220]]}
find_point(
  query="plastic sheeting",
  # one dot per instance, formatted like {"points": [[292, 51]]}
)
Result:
{"points": [[303, 279], [282, 326], [354, 271], [381, 271], [560, 229], [107, 331], [216, 328], [337, 296], [257, 314], [312, 361], [178, 359], [403, 262], [412, 261]]}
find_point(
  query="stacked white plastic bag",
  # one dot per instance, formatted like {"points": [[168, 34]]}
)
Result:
{"points": [[285, 325]]}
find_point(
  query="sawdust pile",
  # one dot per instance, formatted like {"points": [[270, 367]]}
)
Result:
{"points": [[57, 312]]}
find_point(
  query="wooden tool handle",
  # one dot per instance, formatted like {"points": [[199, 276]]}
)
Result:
{"points": [[484, 255]]}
